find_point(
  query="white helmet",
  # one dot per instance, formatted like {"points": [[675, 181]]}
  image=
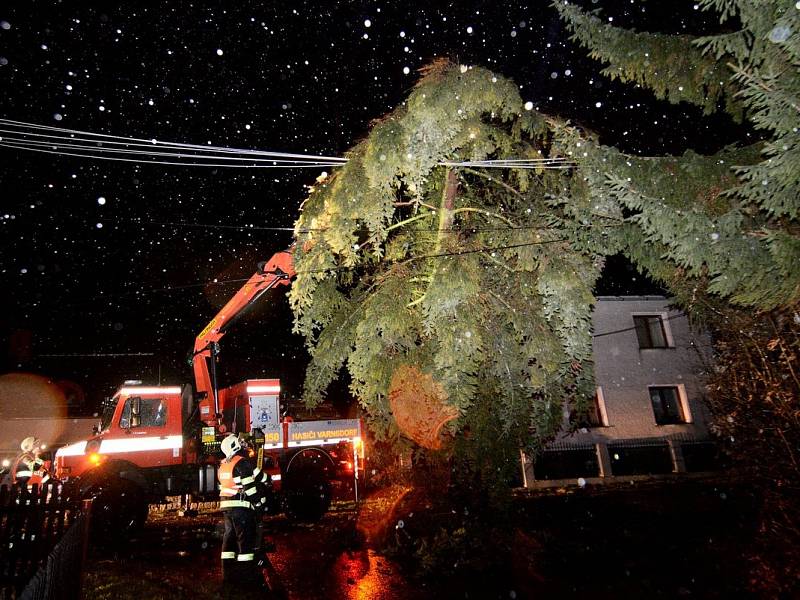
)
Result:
{"points": [[230, 445], [29, 444]]}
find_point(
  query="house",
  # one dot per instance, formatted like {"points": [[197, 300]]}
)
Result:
{"points": [[648, 416]]}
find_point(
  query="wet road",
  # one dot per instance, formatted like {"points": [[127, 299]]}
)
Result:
{"points": [[648, 540], [178, 557], [333, 559]]}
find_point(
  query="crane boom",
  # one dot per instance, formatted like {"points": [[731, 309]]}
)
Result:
{"points": [[278, 270]]}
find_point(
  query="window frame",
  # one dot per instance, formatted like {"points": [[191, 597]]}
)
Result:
{"points": [[682, 399], [600, 412], [600, 401], [666, 331], [128, 406]]}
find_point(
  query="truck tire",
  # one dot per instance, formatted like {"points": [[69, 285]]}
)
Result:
{"points": [[119, 510], [119, 501], [306, 487]]}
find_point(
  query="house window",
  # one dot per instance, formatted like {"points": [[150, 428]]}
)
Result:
{"points": [[596, 414], [652, 331], [669, 405]]}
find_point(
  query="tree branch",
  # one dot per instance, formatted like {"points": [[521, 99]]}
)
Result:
{"points": [[486, 213], [409, 220], [497, 181]]}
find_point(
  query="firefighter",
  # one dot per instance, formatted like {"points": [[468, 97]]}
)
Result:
{"points": [[241, 498], [29, 468]]}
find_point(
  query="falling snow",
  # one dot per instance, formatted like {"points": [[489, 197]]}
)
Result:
{"points": [[270, 76]]}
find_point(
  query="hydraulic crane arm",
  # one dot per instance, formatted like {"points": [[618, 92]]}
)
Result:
{"points": [[278, 270]]}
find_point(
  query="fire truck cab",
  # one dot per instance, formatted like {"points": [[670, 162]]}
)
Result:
{"points": [[143, 425], [152, 443], [157, 441]]}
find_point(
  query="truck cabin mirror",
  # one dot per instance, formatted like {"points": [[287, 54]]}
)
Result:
{"points": [[136, 412]]}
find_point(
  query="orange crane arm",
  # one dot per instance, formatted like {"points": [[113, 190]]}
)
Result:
{"points": [[278, 270]]}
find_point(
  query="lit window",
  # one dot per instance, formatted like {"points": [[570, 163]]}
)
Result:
{"points": [[651, 331], [668, 405]]}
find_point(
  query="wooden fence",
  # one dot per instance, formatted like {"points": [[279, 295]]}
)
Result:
{"points": [[43, 539]]}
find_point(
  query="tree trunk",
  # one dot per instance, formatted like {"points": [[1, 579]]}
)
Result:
{"points": [[446, 207]]}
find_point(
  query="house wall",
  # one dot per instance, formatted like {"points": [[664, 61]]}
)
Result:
{"points": [[624, 371], [630, 441]]}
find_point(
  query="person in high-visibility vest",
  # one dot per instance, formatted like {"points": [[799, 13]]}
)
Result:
{"points": [[29, 468], [241, 494]]}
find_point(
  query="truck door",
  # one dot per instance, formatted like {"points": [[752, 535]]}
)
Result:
{"points": [[148, 432]]}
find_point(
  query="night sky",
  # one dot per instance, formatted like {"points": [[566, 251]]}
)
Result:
{"points": [[106, 258]]}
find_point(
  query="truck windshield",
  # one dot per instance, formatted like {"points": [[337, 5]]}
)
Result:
{"points": [[108, 413]]}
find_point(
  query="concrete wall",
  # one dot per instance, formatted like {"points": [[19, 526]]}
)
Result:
{"points": [[623, 372]]}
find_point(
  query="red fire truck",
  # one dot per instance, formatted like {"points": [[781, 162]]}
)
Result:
{"points": [[158, 441]]}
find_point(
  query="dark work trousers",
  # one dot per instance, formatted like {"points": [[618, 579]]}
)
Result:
{"points": [[238, 545]]}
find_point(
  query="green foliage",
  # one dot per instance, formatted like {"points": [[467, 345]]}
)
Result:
{"points": [[722, 231], [482, 279], [465, 274], [670, 65], [684, 206], [733, 232]]}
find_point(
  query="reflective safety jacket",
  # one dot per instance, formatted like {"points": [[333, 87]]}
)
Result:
{"points": [[30, 471], [240, 483]]}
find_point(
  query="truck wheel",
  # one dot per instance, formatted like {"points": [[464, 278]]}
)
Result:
{"points": [[307, 491], [119, 510]]}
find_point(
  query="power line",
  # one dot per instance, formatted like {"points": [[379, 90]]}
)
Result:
{"points": [[521, 163], [72, 142], [331, 270], [151, 143], [626, 329], [473, 251], [354, 268], [174, 163], [36, 144], [311, 230], [96, 355], [237, 227]]}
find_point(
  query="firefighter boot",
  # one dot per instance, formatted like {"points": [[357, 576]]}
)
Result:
{"points": [[229, 571], [234, 580], [253, 580]]}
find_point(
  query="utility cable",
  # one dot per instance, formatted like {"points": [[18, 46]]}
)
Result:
{"points": [[634, 328], [151, 143], [342, 269], [257, 163], [312, 230], [114, 139], [58, 141], [96, 355], [33, 144], [240, 280], [174, 163]]}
